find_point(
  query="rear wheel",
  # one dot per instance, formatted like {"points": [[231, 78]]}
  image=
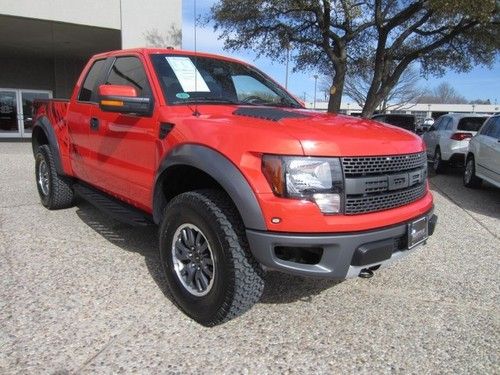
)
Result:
{"points": [[438, 164], [470, 178], [211, 273], [55, 191]]}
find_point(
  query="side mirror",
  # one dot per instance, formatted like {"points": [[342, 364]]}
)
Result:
{"points": [[123, 99]]}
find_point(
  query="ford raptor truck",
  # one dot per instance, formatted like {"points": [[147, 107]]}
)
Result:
{"points": [[237, 174]]}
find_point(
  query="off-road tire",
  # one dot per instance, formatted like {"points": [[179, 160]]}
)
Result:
{"points": [[60, 194], [238, 278], [471, 180]]}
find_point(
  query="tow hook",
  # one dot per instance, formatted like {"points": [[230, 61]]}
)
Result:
{"points": [[366, 273]]}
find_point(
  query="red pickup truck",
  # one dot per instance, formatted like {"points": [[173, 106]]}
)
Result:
{"points": [[236, 173]]}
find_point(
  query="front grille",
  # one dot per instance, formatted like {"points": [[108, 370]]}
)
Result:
{"points": [[374, 165], [379, 202], [379, 183]]}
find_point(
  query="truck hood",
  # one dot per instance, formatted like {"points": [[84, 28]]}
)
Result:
{"points": [[317, 134], [338, 135]]}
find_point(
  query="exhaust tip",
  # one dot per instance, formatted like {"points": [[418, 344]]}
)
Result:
{"points": [[366, 273]]}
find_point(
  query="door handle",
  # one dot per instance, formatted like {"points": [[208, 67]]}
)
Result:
{"points": [[94, 123]]}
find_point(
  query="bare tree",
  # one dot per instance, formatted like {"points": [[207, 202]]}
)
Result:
{"points": [[172, 38], [444, 93]]}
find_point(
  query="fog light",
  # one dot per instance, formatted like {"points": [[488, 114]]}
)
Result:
{"points": [[328, 203]]}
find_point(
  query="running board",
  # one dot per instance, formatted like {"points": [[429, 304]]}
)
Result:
{"points": [[112, 206]]}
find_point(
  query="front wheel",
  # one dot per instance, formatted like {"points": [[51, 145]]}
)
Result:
{"points": [[211, 273], [470, 179]]}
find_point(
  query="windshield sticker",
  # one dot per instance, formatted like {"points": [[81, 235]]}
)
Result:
{"points": [[189, 77], [182, 95]]}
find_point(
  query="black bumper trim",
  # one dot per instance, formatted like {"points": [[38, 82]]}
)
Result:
{"points": [[338, 248]]}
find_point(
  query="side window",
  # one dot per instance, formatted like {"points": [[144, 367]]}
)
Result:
{"points": [[437, 124], [442, 124], [485, 130], [129, 71], [88, 86], [494, 130], [449, 125]]}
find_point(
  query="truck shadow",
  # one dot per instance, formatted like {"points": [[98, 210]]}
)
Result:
{"points": [[280, 288]]}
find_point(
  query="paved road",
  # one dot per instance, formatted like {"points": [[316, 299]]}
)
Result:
{"points": [[82, 293]]}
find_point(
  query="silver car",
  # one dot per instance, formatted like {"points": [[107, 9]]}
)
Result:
{"points": [[483, 158], [448, 139]]}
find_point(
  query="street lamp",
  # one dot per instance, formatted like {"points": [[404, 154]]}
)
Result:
{"points": [[315, 84]]}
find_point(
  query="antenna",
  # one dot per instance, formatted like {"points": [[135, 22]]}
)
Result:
{"points": [[195, 113]]}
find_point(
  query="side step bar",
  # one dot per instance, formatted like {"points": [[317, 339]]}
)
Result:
{"points": [[112, 206]]}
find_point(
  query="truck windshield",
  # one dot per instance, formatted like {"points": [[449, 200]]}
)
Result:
{"points": [[185, 80]]}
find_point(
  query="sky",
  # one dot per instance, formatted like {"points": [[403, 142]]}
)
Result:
{"points": [[479, 83]]}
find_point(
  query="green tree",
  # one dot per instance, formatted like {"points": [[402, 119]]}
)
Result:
{"points": [[348, 37]]}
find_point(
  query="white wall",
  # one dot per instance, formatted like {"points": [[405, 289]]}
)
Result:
{"points": [[139, 17], [100, 13]]}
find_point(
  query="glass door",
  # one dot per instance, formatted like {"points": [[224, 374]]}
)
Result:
{"points": [[16, 111], [27, 115], [9, 124]]}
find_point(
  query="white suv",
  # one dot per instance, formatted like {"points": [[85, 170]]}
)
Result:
{"points": [[483, 158], [448, 139]]}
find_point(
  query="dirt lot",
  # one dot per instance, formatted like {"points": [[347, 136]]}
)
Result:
{"points": [[82, 293]]}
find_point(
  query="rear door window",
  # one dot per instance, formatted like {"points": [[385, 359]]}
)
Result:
{"points": [[443, 123], [494, 130], [449, 125], [487, 126], [87, 92], [471, 124]]}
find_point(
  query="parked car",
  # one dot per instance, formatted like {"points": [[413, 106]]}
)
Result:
{"points": [[483, 158], [448, 139], [236, 173], [425, 125], [403, 121]]}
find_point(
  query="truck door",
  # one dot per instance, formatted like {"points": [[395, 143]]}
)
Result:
{"points": [[123, 145], [78, 120]]}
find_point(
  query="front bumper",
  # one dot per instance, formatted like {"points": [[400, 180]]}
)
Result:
{"points": [[340, 256]]}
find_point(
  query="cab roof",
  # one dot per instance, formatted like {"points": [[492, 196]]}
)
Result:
{"points": [[167, 51]]}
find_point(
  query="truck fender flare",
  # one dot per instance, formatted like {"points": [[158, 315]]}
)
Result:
{"points": [[221, 170], [43, 124]]}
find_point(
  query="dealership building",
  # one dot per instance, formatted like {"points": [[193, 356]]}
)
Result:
{"points": [[45, 45]]}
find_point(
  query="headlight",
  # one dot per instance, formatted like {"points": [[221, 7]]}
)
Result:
{"points": [[317, 179]]}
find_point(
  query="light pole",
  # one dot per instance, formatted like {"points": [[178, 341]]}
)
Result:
{"points": [[315, 84]]}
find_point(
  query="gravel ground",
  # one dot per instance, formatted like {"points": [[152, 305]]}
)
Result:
{"points": [[81, 293]]}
